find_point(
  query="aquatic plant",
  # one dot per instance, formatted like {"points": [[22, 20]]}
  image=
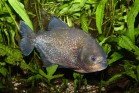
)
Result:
{"points": [[114, 23]]}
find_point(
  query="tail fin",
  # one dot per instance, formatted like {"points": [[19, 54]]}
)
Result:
{"points": [[26, 44]]}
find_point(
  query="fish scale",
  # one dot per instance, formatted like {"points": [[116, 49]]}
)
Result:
{"points": [[56, 54]]}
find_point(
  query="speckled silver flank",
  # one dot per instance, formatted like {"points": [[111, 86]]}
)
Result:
{"points": [[66, 48]]}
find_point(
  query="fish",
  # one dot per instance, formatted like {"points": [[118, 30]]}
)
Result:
{"points": [[68, 47]]}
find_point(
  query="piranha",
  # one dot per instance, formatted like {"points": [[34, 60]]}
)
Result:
{"points": [[68, 47]]}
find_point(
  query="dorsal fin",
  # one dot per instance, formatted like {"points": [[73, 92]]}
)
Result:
{"points": [[56, 23]]}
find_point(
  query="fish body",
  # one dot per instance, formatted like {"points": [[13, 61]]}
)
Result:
{"points": [[65, 46]]}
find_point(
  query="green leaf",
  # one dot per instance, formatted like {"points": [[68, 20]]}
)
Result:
{"points": [[130, 70], [3, 71], [125, 42], [75, 7], [136, 31], [24, 65], [100, 15], [63, 9], [57, 76], [2, 63], [12, 55], [138, 73], [131, 19], [113, 78], [34, 78], [2, 51], [107, 48], [12, 34], [120, 28], [114, 57], [19, 8], [84, 22], [78, 76], [9, 10], [42, 73], [77, 79], [103, 40], [69, 21], [51, 70], [10, 60], [132, 74]]}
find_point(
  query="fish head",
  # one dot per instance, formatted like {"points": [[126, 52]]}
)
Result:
{"points": [[92, 58]]}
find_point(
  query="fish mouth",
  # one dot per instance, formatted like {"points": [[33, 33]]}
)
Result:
{"points": [[92, 68]]}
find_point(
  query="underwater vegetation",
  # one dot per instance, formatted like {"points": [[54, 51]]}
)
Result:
{"points": [[113, 23]]}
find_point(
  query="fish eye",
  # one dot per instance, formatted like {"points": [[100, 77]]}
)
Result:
{"points": [[93, 58]]}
